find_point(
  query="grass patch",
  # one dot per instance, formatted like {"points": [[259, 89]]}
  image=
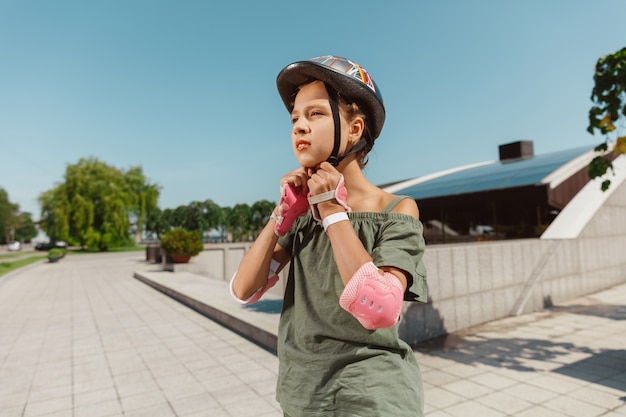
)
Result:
{"points": [[12, 255], [7, 267], [111, 250]]}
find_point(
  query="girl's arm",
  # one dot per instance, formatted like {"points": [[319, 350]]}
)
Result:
{"points": [[350, 255], [254, 268], [371, 294]]}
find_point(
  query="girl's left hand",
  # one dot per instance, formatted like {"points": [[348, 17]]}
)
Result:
{"points": [[324, 179]]}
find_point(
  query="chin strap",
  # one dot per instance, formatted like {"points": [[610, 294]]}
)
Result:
{"points": [[334, 159]]}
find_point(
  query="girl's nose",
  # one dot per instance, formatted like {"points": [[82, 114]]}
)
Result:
{"points": [[300, 127]]}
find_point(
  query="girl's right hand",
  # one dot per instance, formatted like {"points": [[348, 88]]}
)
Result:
{"points": [[298, 178], [293, 200]]}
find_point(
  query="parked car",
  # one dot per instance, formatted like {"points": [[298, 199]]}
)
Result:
{"points": [[50, 245], [44, 246], [14, 245]]}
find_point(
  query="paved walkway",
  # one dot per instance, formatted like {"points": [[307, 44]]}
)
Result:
{"points": [[82, 337]]}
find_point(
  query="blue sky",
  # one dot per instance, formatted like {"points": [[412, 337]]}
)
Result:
{"points": [[186, 89]]}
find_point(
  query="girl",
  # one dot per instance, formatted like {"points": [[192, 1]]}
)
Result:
{"points": [[354, 251]]}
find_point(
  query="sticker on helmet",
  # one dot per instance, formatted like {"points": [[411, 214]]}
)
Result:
{"points": [[350, 68], [362, 74]]}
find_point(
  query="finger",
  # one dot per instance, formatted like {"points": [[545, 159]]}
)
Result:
{"points": [[327, 167]]}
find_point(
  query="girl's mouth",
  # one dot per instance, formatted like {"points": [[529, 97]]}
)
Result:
{"points": [[302, 145]]}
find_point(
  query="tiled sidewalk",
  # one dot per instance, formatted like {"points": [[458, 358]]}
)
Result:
{"points": [[568, 361], [82, 337]]}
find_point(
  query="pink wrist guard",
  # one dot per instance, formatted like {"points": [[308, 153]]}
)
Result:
{"points": [[293, 204], [339, 193], [374, 299]]}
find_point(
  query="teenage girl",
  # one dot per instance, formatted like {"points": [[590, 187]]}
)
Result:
{"points": [[354, 252]]}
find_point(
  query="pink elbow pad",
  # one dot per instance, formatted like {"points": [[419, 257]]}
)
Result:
{"points": [[374, 299]]}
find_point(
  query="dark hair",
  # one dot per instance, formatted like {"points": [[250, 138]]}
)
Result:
{"points": [[351, 110]]}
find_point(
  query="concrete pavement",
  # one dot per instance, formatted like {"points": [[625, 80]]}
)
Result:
{"points": [[82, 337]]}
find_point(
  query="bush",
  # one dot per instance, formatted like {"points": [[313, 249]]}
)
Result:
{"points": [[55, 254], [182, 242]]}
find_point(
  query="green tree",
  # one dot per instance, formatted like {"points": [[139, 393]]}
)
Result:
{"points": [[213, 214], [608, 113], [225, 225], [26, 229], [242, 222], [55, 210], [9, 218], [155, 224], [238, 222], [94, 205], [14, 225], [144, 196], [260, 213]]}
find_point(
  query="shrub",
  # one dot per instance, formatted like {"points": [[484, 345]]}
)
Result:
{"points": [[182, 242], [56, 253]]}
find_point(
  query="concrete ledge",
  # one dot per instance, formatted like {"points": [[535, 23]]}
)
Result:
{"points": [[211, 298]]}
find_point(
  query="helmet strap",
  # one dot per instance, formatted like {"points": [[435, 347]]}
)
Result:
{"points": [[334, 159]]}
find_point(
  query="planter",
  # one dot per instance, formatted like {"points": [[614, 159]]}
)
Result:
{"points": [[153, 253], [180, 259], [53, 259], [180, 245]]}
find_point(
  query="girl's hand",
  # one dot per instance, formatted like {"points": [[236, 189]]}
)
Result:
{"points": [[324, 179], [293, 201], [298, 178], [327, 192]]}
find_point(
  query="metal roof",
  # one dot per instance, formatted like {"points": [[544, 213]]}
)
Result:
{"points": [[491, 175]]}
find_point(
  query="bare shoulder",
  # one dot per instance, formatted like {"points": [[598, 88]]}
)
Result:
{"points": [[407, 206]]}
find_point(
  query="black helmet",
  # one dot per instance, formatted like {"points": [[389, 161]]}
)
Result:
{"points": [[347, 77]]}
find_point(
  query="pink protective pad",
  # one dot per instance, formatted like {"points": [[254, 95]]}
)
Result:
{"points": [[340, 193], [293, 204], [374, 299]]}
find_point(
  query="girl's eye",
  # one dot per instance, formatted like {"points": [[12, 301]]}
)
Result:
{"points": [[294, 120]]}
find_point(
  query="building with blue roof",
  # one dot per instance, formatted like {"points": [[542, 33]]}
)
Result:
{"points": [[516, 196]]}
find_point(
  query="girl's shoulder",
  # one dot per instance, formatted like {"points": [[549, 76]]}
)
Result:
{"points": [[392, 203]]}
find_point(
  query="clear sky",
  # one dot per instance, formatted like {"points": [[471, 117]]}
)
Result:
{"points": [[186, 89]]}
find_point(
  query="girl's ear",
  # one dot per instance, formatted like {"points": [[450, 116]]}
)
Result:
{"points": [[356, 129]]}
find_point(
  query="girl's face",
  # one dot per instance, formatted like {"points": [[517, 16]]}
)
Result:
{"points": [[313, 131]]}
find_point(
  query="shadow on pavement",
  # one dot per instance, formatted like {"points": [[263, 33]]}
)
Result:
{"points": [[511, 353], [266, 306], [613, 312], [607, 367]]}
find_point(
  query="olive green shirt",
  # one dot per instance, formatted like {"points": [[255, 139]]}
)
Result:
{"points": [[330, 365]]}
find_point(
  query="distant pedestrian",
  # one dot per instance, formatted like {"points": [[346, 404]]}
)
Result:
{"points": [[355, 254]]}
